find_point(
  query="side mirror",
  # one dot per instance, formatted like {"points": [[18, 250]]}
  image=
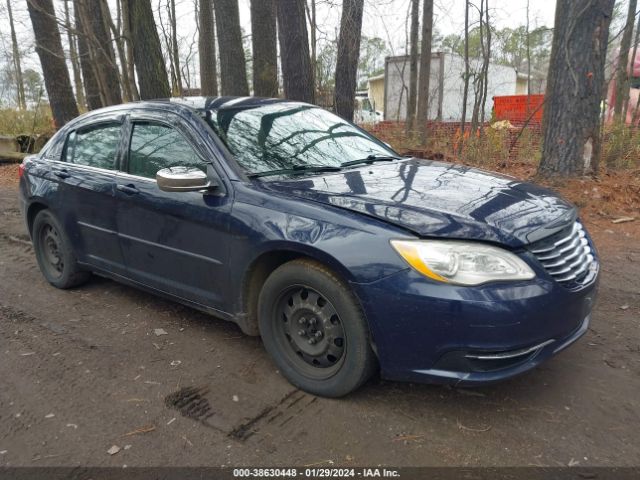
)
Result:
{"points": [[183, 179]]}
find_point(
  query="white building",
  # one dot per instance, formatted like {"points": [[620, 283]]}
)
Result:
{"points": [[446, 86]]}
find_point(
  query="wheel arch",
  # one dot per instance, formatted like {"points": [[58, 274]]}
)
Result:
{"points": [[33, 209], [264, 264]]}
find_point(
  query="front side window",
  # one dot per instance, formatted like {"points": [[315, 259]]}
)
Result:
{"points": [[289, 135], [94, 147], [155, 146]]}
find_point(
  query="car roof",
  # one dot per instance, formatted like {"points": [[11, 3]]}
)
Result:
{"points": [[195, 104]]}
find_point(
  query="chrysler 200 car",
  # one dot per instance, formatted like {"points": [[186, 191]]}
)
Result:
{"points": [[308, 231]]}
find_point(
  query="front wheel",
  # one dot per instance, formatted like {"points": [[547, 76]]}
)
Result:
{"points": [[314, 329], [55, 257]]}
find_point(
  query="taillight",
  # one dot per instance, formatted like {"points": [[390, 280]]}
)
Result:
{"points": [[21, 170]]}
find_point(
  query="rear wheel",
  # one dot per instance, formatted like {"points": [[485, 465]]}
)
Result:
{"points": [[55, 257], [314, 329]]}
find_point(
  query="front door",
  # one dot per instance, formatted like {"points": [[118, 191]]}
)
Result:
{"points": [[175, 242]]}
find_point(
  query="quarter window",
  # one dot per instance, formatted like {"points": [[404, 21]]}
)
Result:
{"points": [[95, 147], [155, 146]]}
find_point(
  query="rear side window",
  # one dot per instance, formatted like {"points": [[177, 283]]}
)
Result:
{"points": [[94, 147], [155, 146]]}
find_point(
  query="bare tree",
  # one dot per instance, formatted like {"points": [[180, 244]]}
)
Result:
{"points": [[413, 65], [54, 68], [575, 83], [126, 35], [265, 48], [150, 66], [174, 51], [425, 69], [233, 69], [207, 49], [103, 61], [21, 99], [485, 64], [465, 94], [479, 78], [310, 8], [348, 55], [622, 69], [73, 55], [294, 51], [91, 88], [119, 40]]}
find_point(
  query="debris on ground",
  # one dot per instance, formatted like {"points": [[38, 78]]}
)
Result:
{"points": [[624, 307], [408, 438], [139, 430], [113, 450], [623, 220], [471, 429], [235, 398], [160, 331], [49, 415], [72, 425], [175, 363]]}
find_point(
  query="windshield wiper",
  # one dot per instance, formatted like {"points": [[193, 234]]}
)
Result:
{"points": [[370, 159], [296, 170]]}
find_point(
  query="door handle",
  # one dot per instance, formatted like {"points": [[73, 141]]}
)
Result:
{"points": [[128, 189], [63, 173]]}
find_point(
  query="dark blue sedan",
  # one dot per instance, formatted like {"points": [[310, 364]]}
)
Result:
{"points": [[306, 230]]}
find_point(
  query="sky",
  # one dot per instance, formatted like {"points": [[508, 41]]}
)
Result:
{"points": [[382, 18]]}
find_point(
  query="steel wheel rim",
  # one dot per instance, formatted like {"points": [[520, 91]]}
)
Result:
{"points": [[309, 331], [52, 257]]}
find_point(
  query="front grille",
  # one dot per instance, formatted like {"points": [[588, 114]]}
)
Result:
{"points": [[567, 256]]}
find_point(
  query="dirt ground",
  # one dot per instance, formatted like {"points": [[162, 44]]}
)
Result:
{"points": [[84, 370]]}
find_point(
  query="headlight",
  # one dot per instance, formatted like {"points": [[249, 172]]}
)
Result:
{"points": [[462, 263]]}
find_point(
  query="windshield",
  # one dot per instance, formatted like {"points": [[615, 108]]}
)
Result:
{"points": [[287, 136]]}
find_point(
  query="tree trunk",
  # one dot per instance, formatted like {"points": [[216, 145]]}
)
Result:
{"points": [[465, 94], [75, 63], [20, 97], [574, 87], [175, 54], [348, 55], [126, 32], [310, 8], [54, 68], [265, 48], [91, 88], [93, 18], [413, 66], [294, 51], [233, 70], [147, 54], [425, 69], [478, 81], [622, 69], [207, 49], [116, 31], [485, 65]]}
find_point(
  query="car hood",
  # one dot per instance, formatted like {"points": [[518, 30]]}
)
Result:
{"points": [[436, 199]]}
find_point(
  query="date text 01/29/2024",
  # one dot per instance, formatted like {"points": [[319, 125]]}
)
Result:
{"points": [[316, 472]]}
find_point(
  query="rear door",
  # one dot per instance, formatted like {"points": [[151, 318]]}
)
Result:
{"points": [[176, 242], [87, 174]]}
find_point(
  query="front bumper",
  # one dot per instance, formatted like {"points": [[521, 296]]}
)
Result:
{"points": [[426, 331]]}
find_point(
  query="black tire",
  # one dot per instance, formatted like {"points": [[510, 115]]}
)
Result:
{"points": [[300, 299], [55, 257]]}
